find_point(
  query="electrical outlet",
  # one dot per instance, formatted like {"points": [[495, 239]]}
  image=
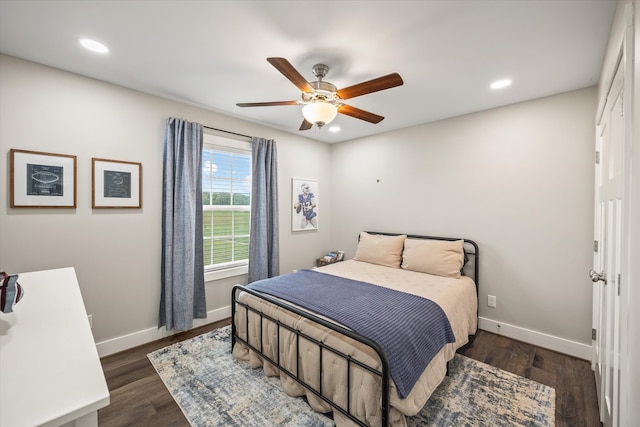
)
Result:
{"points": [[491, 301], [90, 317]]}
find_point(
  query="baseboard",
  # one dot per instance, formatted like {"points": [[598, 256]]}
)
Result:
{"points": [[125, 342], [561, 345]]}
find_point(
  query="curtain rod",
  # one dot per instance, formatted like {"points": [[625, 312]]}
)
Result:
{"points": [[227, 131]]}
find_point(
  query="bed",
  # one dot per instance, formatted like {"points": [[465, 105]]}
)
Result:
{"points": [[374, 355]]}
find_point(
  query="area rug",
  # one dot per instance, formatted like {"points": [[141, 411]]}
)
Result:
{"points": [[214, 389]]}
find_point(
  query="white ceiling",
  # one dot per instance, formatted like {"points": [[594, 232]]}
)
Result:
{"points": [[213, 53]]}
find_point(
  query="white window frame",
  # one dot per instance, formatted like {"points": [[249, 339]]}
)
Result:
{"points": [[236, 268]]}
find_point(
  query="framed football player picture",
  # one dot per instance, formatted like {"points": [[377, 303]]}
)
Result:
{"points": [[305, 202]]}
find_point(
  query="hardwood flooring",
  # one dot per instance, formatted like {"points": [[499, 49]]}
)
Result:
{"points": [[139, 397], [573, 379]]}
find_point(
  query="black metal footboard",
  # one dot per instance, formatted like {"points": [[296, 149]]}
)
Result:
{"points": [[322, 346]]}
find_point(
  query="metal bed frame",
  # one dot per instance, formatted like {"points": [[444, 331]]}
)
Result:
{"points": [[383, 373]]}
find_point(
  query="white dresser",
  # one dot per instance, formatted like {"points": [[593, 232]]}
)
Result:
{"points": [[50, 372]]}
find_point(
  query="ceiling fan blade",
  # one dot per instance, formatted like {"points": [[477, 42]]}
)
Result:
{"points": [[291, 73], [266, 104], [359, 114], [306, 125], [375, 85]]}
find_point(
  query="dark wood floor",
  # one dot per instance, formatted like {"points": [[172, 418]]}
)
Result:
{"points": [[139, 397], [573, 379]]}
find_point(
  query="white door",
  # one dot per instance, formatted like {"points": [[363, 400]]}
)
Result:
{"points": [[607, 252]]}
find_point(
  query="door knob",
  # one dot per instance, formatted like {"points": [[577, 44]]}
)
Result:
{"points": [[595, 277]]}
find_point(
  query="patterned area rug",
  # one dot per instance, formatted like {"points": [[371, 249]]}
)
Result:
{"points": [[214, 389]]}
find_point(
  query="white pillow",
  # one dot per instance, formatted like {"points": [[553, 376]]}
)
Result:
{"points": [[380, 249], [438, 257]]}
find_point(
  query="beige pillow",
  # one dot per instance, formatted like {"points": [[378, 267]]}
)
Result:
{"points": [[380, 249], [439, 257]]}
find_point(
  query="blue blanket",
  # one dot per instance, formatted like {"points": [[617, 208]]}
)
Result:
{"points": [[410, 329]]}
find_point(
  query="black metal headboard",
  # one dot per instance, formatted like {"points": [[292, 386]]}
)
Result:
{"points": [[471, 251]]}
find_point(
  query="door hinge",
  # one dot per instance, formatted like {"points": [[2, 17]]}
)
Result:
{"points": [[618, 284], [593, 334], [597, 157], [595, 246]]}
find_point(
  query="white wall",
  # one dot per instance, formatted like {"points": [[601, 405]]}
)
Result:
{"points": [[116, 253], [518, 180]]}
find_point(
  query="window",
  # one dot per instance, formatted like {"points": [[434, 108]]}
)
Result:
{"points": [[226, 204]]}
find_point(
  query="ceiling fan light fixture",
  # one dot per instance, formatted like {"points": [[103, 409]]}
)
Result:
{"points": [[321, 100], [319, 113]]}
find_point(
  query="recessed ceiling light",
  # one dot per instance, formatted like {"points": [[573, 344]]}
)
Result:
{"points": [[94, 46], [499, 84], [334, 129]]}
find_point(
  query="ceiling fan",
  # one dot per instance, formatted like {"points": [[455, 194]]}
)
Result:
{"points": [[322, 100]]}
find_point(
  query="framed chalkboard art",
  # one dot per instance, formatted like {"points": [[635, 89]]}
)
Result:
{"points": [[42, 180], [116, 184]]}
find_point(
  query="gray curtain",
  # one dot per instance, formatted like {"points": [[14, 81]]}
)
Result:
{"points": [[263, 243], [182, 276]]}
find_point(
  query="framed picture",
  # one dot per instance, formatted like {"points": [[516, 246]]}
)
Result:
{"points": [[42, 180], [305, 202], [116, 184]]}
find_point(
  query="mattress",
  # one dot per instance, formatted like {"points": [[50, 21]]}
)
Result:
{"points": [[456, 296]]}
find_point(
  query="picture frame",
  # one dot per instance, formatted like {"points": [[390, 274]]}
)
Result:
{"points": [[116, 184], [42, 180], [305, 202]]}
